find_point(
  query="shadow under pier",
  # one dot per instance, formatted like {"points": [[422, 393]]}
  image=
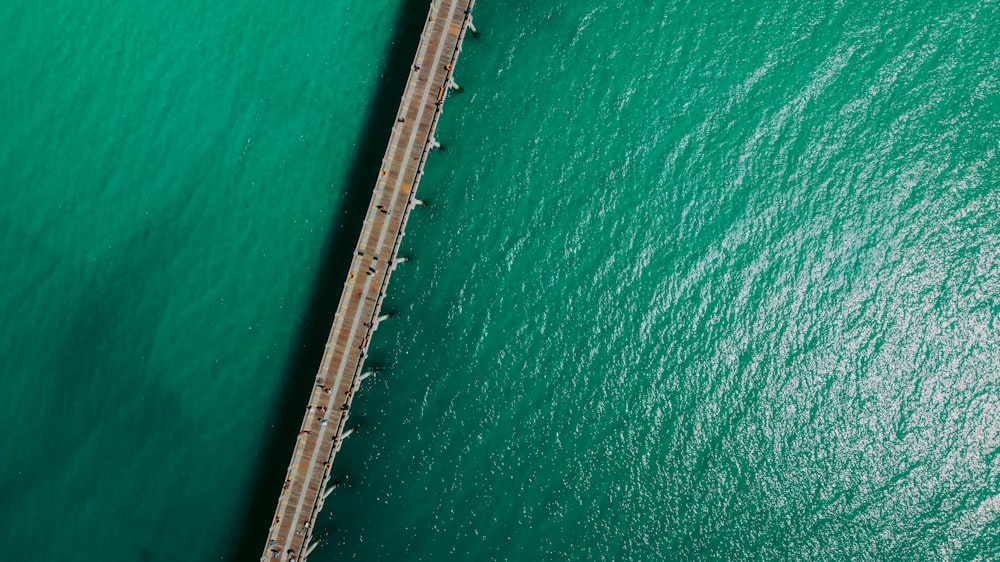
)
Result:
{"points": [[335, 261]]}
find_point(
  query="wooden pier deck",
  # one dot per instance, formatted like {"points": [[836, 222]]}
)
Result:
{"points": [[324, 425]]}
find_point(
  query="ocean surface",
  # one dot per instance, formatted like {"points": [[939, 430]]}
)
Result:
{"points": [[697, 280]]}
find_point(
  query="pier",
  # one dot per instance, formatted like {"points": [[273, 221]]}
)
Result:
{"points": [[324, 426]]}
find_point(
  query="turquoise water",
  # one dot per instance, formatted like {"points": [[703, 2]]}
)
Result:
{"points": [[697, 280]]}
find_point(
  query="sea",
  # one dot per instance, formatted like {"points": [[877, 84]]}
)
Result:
{"points": [[695, 280]]}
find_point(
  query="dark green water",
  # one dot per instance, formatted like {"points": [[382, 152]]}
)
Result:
{"points": [[698, 280]]}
